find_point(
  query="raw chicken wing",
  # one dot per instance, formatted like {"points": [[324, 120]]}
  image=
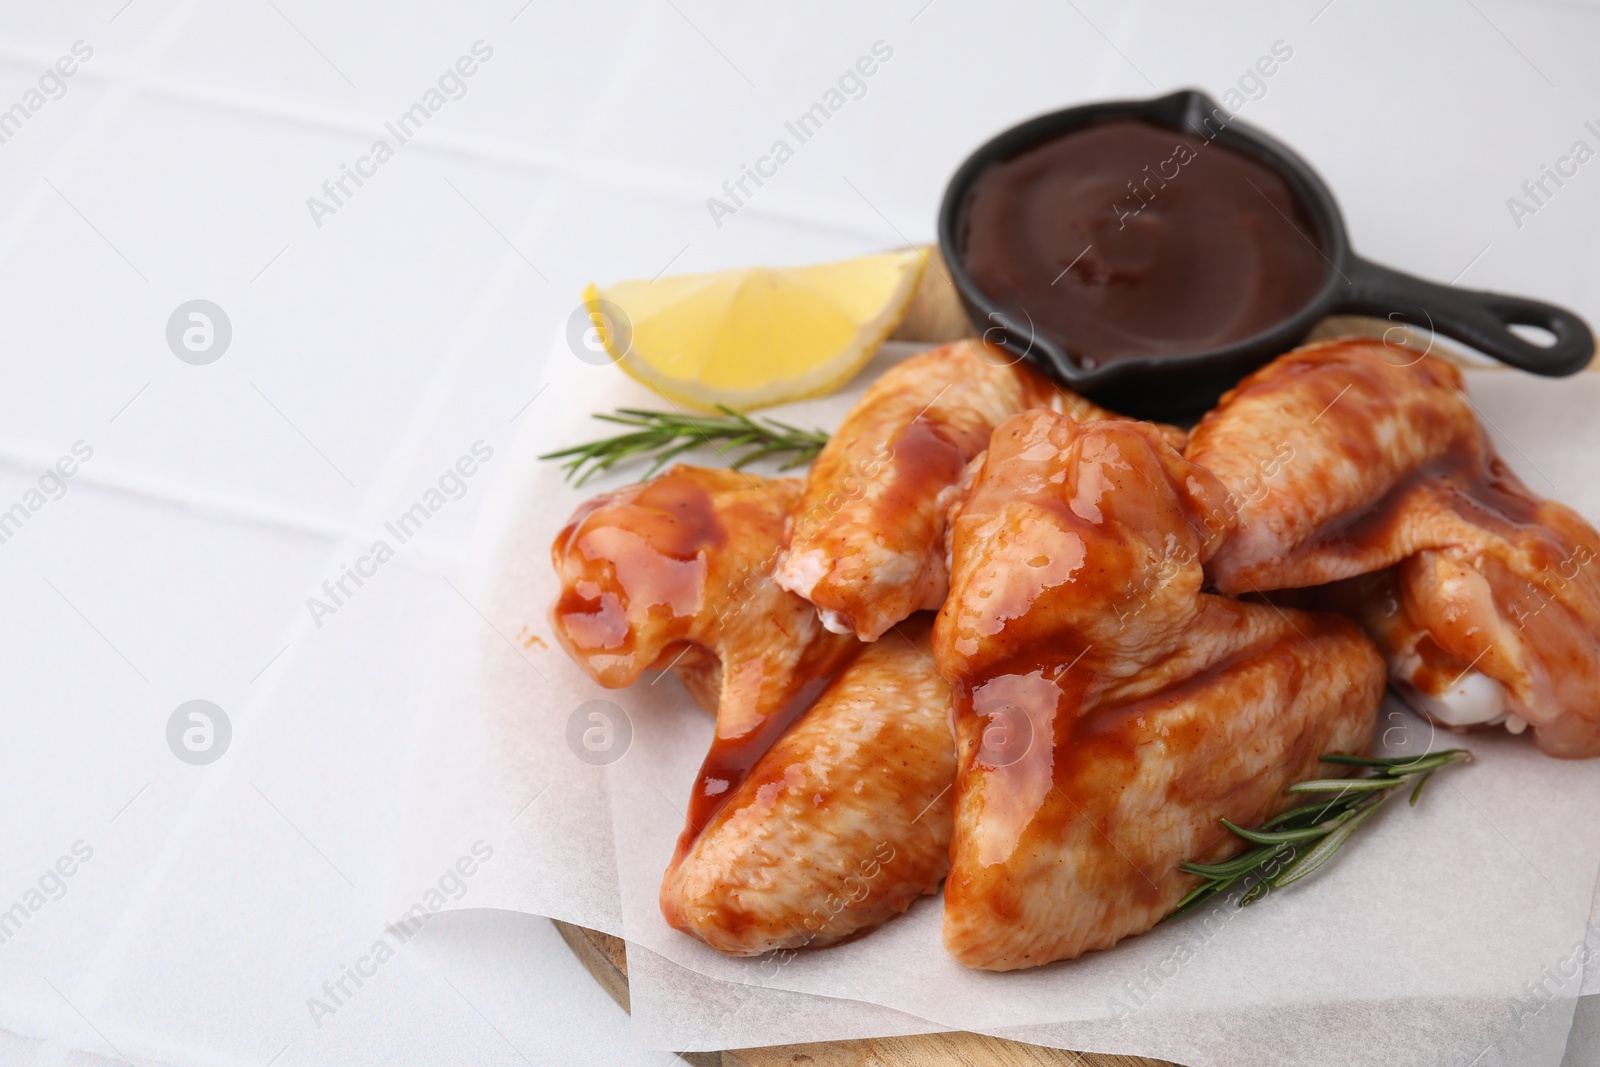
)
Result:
{"points": [[674, 572], [840, 825], [1109, 713], [1352, 457], [867, 545]]}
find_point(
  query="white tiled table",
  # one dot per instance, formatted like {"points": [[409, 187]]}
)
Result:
{"points": [[372, 350]]}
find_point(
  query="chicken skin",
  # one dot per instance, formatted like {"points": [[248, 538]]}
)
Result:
{"points": [[674, 572], [1353, 457], [823, 807], [1108, 713], [840, 825], [867, 545], [1314, 439]]}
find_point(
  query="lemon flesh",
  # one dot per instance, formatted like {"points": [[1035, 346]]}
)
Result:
{"points": [[756, 336]]}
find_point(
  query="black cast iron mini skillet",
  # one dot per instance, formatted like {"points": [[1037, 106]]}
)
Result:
{"points": [[1174, 385]]}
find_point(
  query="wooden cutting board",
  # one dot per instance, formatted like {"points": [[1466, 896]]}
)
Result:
{"points": [[605, 957]]}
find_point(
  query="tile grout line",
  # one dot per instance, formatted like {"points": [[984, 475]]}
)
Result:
{"points": [[91, 986], [526, 231], [102, 971], [612, 175]]}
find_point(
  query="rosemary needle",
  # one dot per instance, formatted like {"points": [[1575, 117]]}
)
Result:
{"points": [[663, 436], [1297, 842]]}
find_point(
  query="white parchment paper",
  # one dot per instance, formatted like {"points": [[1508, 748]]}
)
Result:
{"points": [[1451, 932], [494, 761], [677, 1008]]}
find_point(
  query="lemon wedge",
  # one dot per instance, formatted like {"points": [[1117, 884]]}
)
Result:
{"points": [[756, 336]]}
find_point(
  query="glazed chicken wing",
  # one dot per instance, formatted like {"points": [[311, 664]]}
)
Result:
{"points": [[1108, 713], [673, 572], [867, 546], [840, 825], [798, 833], [1351, 457], [1314, 439]]}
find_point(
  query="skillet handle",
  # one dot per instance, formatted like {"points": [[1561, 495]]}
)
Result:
{"points": [[1475, 317]]}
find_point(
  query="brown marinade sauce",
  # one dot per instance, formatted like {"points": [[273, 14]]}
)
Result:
{"points": [[1124, 239]]}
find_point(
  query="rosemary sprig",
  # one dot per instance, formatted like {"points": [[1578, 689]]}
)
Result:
{"points": [[665, 435], [1297, 842]]}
